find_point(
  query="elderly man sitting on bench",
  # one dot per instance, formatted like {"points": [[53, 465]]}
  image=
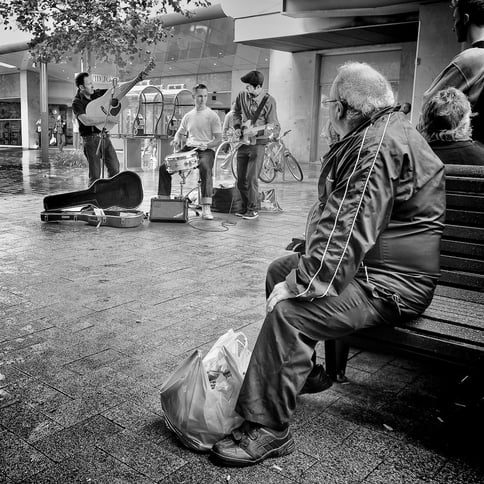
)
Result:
{"points": [[371, 258]]}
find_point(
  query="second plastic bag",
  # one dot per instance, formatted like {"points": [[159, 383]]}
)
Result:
{"points": [[198, 400]]}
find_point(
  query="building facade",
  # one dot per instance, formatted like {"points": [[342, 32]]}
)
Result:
{"points": [[297, 44]]}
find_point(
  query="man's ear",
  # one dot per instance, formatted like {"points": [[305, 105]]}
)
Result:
{"points": [[340, 110]]}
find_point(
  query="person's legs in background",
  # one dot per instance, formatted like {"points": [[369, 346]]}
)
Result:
{"points": [[164, 182], [110, 158], [256, 157], [205, 166], [90, 148], [242, 183]]}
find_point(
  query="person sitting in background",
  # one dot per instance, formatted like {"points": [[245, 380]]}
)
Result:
{"points": [[446, 125], [406, 108], [228, 122]]}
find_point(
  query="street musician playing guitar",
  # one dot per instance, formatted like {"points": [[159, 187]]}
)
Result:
{"points": [[97, 111], [254, 114]]}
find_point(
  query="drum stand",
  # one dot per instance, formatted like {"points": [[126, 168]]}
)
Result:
{"points": [[183, 176]]}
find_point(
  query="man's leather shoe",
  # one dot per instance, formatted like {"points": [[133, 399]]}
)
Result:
{"points": [[252, 445], [317, 381]]}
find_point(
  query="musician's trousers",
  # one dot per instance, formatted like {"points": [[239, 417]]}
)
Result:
{"points": [[205, 159], [281, 360], [111, 161], [249, 163]]}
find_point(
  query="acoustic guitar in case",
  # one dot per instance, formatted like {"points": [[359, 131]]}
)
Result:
{"points": [[123, 190], [124, 219]]}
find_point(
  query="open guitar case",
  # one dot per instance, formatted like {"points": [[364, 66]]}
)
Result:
{"points": [[111, 201]]}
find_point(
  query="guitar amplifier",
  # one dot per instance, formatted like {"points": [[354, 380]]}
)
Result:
{"points": [[169, 210]]}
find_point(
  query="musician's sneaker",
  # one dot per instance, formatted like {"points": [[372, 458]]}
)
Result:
{"points": [[251, 444], [241, 213], [206, 212], [250, 214]]}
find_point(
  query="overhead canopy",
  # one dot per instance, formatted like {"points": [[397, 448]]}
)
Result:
{"points": [[301, 25]]}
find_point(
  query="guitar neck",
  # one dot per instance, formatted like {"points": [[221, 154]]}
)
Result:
{"points": [[124, 88]]}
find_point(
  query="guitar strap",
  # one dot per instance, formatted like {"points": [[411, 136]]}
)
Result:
{"points": [[255, 116]]}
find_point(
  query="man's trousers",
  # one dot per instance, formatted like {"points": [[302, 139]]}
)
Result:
{"points": [[281, 360]]}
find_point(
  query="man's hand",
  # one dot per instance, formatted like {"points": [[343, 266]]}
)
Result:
{"points": [[175, 143], [280, 292], [202, 146]]}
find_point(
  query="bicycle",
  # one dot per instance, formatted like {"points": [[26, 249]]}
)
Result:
{"points": [[225, 155], [276, 158]]}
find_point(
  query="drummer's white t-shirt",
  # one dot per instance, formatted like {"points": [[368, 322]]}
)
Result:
{"points": [[201, 126]]}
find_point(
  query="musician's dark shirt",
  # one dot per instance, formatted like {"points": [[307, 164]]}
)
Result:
{"points": [[79, 104]]}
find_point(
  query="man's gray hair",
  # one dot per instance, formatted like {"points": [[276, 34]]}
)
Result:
{"points": [[362, 89]]}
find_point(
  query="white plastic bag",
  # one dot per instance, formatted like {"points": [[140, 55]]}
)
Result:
{"points": [[198, 400]]}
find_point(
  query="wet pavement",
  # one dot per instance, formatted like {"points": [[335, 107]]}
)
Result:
{"points": [[95, 319]]}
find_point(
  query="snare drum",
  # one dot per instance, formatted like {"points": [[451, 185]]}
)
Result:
{"points": [[181, 161]]}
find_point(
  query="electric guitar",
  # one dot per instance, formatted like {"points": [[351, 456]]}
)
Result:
{"points": [[111, 102], [250, 132]]}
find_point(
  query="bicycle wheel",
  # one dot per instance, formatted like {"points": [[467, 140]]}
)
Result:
{"points": [[233, 163], [267, 172], [293, 166]]}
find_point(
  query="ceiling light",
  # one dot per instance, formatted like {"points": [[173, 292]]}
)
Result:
{"points": [[8, 66]]}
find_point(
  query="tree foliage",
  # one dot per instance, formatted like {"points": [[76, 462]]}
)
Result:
{"points": [[113, 30]]}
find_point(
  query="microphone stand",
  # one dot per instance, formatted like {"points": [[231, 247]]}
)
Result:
{"points": [[101, 147]]}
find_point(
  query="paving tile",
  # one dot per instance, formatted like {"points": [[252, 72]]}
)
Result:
{"points": [[27, 422], [344, 464], [459, 472], [393, 474], [423, 463], [18, 460], [79, 438], [144, 456]]}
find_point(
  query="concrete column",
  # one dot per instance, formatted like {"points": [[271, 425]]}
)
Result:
{"points": [[29, 107], [293, 83], [44, 112], [436, 46], [24, 110]]}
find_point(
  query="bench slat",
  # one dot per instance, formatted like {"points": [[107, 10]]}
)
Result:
{"points": [[462, 279], [472, 266], [459, 294], [465, 201], [449, 331], [462, 248], [460, 232], [464, 184], [464, 217], [440, 349]]}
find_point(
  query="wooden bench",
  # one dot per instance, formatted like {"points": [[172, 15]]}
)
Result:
{"points": [[452, 327]]}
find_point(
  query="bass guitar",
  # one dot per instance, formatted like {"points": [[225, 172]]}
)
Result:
{"points": [[112, 101], [124, 219], [122, 190]]}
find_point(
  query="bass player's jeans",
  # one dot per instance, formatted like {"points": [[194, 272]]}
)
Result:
{"points": [[249, 163]]}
